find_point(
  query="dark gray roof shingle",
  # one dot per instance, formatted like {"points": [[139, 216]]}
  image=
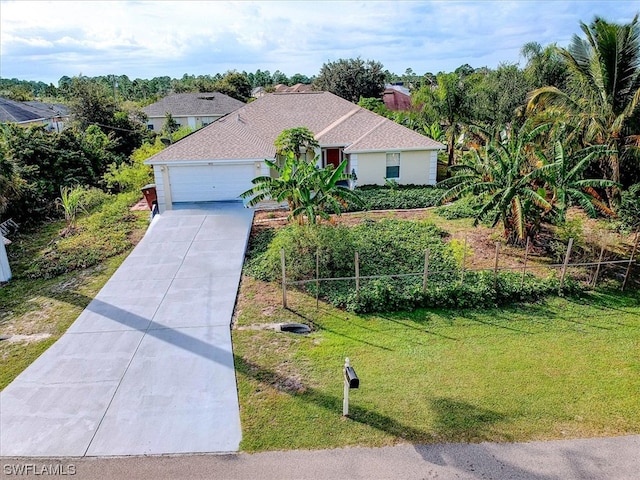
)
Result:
{"points": [[19, 112], [194, 104]]}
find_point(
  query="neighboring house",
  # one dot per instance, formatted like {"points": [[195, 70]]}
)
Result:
{"points": [[194, 110], [258, 92], [53, 115], [218, 162], [297, 88], [396, 97]]}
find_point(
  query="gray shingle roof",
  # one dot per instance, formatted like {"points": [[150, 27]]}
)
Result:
{"points": [[18, 112], [194, 104], [249, 132]]}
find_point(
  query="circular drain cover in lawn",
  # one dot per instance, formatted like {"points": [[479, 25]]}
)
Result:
{"points": [[299, 328]]}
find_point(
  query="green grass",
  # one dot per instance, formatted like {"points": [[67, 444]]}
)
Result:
{"points": [[55, 278], [563, 368]]}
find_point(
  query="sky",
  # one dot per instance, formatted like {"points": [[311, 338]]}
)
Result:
{"points": [[46, 40]]}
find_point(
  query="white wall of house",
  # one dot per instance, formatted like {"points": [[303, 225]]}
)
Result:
{"points": [[190, 121], [416, 167], [5, 270]]}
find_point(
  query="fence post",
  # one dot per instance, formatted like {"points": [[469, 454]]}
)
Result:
{"points": [[566, 262], [495, 267], [357, 262], [284, 278], [597, 272], [464, 260], [524, 267], [317, 276], [633, 252], [426, 271]]}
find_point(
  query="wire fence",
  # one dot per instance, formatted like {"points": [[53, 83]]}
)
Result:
{"points": [[426, 274]]}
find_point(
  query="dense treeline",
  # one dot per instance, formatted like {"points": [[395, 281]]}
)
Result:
{"points": [[144, 91]]}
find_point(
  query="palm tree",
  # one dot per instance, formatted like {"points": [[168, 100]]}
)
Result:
{"points": [[504, 173], [323, 191], [283, 184], [296, 140], [307, 189], [545, 66], [565, 182], [604, 90], [446, 102]]}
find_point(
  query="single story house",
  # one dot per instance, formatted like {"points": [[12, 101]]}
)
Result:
{"points": [[194, 110], [217, 163], [53, 116]]}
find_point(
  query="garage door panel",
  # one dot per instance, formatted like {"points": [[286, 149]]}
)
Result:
{"points": [[208, 183]]}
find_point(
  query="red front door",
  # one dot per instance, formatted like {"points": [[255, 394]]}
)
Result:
{"points": [[333, 157]]}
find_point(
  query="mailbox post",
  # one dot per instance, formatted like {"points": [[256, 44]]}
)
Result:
{"points": [[351, 380]]}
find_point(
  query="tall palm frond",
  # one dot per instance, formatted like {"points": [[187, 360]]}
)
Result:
{"points": [[604, 89]]}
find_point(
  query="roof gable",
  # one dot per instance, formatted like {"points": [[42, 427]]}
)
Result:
{"points": [[249, 132]]}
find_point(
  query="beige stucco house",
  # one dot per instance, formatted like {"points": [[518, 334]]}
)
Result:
{"points": [[217, 163], [194, 110]]}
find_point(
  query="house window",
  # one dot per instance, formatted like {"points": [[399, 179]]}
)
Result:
{"points": [[393, 165], [150, 126]]}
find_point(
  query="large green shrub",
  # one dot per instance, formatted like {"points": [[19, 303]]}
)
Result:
{"points": [[479, 290]]}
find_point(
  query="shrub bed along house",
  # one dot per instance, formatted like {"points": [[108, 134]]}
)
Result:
{"points": [[395, 197]]}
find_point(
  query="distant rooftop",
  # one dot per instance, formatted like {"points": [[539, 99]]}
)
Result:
{"points": [[22, 112], [202, 104]]}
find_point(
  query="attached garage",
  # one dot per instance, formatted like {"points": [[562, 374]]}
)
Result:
{"points": [[204, 182]]}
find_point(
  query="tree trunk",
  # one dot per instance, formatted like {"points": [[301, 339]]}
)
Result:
{"points": [[451, 154]]}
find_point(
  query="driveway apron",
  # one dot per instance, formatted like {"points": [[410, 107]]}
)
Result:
{"points": [[147, 368]]}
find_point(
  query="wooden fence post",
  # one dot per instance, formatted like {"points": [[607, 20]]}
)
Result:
{"points": [[425, 275], [524, 267], [284, 278], [633, 252], [566, 262], [597, 272], [317, 277], [495, 267], [357, 262]]}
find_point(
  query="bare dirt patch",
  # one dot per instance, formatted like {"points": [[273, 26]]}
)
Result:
{"points": [[36, 337]]}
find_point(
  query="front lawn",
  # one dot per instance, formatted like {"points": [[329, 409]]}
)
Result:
{"points": [[562, 368]]}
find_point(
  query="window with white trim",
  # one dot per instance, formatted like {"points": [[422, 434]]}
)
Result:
{"points": [[393, 166]]}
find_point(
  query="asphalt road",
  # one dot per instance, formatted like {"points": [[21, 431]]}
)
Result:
{"points": [[616, 458]]}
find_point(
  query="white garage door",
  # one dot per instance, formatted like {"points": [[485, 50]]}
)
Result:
{"points": [[210, 183]]}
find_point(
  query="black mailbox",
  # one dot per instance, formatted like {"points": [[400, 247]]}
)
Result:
{"points": [[351, 378]]}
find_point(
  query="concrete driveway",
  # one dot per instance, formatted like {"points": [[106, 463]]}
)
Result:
{"points": [[147, 368]]}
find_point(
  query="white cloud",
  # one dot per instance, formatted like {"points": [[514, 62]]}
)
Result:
{"points": [[46, 40]]}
